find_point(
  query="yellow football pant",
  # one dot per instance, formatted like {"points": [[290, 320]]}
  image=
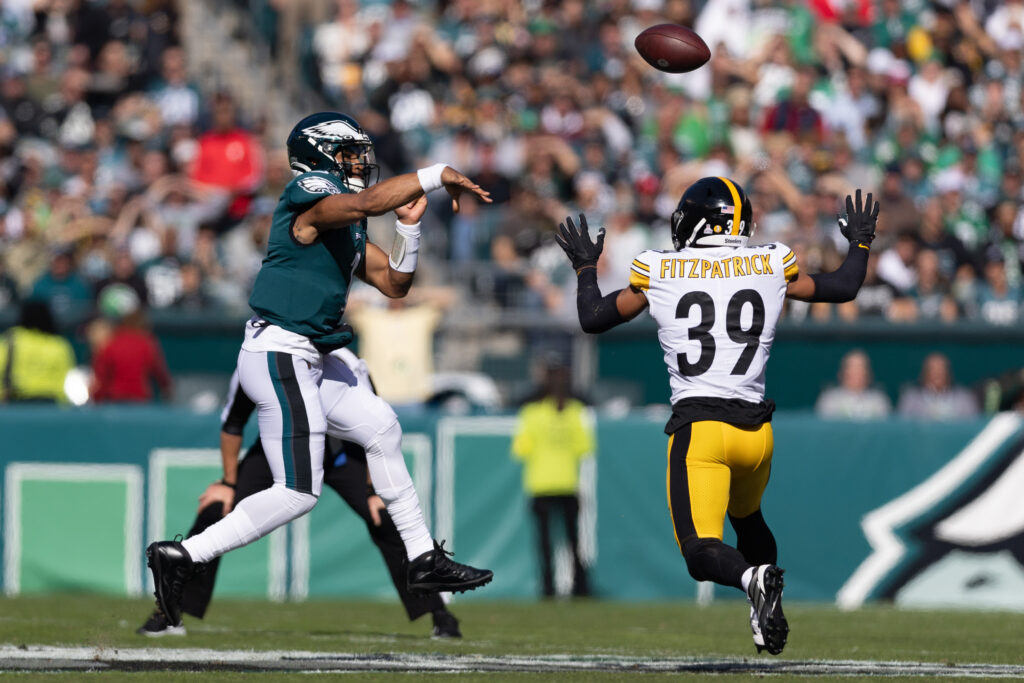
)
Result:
{"points": [[713, 468]]}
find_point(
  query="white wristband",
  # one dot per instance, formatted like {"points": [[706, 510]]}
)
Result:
{"points": [[430, 177], [406, 247]]}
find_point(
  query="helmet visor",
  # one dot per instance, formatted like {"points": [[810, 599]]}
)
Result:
{"points": [[357, 163]]}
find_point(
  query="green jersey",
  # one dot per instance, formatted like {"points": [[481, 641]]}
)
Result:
{"points": [[304, 288]]}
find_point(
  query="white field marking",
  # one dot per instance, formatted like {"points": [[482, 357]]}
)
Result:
{"points": [[878, 524], [277, 564], [300, 557], [37, 657], [422, 452], [18, 472]]}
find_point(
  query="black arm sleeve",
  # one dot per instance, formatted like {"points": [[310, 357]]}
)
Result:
{"points": [[843, 284], [597, 313], [237, 410]]}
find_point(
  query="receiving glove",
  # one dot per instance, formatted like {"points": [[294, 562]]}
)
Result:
{"points": [[577, 245]]}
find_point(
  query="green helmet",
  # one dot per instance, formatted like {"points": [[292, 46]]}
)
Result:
{"points": [[316, 141], [713, 212]]}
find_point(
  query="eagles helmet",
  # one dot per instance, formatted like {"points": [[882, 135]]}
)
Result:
{"points": [[316, 142], [713, 212]]}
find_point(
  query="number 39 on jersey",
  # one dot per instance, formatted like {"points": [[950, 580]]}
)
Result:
{"points": [[716, 310]]}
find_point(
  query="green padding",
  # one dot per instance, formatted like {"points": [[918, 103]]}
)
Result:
{"points": [[343, 561], [73, 536], [825, 477], [638, 557], [492, 520], [243, 572]]}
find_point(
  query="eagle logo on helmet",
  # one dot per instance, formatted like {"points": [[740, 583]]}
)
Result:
{"points": [[317, 141], [713, 212]]}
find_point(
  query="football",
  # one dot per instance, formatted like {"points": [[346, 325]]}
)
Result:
{"points": [[672, 48]]}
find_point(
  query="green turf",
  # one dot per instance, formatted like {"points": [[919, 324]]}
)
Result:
{"points": [[580, 627]]}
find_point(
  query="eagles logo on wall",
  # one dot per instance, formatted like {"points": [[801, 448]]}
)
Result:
{"points": [[957, 538]]}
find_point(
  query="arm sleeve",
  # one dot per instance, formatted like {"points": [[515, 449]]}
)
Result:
{"points": [[596, 313], [844, 283], [237, 409]]}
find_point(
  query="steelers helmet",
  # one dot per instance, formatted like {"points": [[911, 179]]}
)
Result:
{"points": [[713, 212], [314, 144]]}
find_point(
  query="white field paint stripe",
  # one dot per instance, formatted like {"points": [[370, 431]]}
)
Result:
{"points": [[306, 661], [422, 476], [12, 531], [277, 564], [19, 472], [447, 430], [878, 524], [300, 557], [134, 508], [160, 459], [587, 521]]}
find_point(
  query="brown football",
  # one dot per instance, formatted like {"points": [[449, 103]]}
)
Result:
{"points": [[672, 48]]}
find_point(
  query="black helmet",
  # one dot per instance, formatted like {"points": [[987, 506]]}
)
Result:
{"points": [[315, 141], [713, 212]]}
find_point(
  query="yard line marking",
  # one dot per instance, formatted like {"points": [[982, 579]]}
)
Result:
{"points": [[50, 658]]}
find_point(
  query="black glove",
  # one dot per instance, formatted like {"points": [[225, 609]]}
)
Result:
{"points": [[859, 224], [577, 245]]}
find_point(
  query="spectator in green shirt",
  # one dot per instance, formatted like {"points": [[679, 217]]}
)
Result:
{"points": [[552, 437]]}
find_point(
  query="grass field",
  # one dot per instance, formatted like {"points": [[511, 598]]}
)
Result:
{"points": [[681, 638]]}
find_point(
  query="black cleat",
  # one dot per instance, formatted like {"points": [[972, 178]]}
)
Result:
{"points": [[157, 626], [766, 619], [445, 625], [433, 572], [172, 567]]}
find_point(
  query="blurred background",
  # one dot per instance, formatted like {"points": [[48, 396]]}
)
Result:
{"points": [[142, 153]]}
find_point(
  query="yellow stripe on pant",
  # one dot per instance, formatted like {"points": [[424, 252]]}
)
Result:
{"points": [[715, 468]]}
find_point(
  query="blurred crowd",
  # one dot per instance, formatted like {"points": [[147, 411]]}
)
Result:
{"points": [[550, 107], [115, 169]]}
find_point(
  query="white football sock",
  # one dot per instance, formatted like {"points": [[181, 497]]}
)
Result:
{"points": [[254, 517], [393, 484], [747, 576]]}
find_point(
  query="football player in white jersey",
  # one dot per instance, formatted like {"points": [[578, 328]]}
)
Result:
{"points": [[717, 302]]}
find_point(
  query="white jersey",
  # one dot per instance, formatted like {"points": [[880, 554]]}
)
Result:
{"points": [[716, 309]]}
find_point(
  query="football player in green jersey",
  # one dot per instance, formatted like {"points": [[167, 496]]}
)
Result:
{"points": [[317, 246]]}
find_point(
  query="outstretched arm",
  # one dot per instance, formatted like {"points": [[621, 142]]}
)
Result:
{"points": [[843, 284], [341, 210], [597, 313], [392, 276]]}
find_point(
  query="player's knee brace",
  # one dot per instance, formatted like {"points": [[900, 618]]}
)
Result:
{"points": [[754, 539], [708, 559]]}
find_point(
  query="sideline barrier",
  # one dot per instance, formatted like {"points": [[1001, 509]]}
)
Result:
{"points": [[917, 512]]}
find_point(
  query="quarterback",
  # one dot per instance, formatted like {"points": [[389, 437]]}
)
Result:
{"points": [[317, 246], [717, 301]]}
